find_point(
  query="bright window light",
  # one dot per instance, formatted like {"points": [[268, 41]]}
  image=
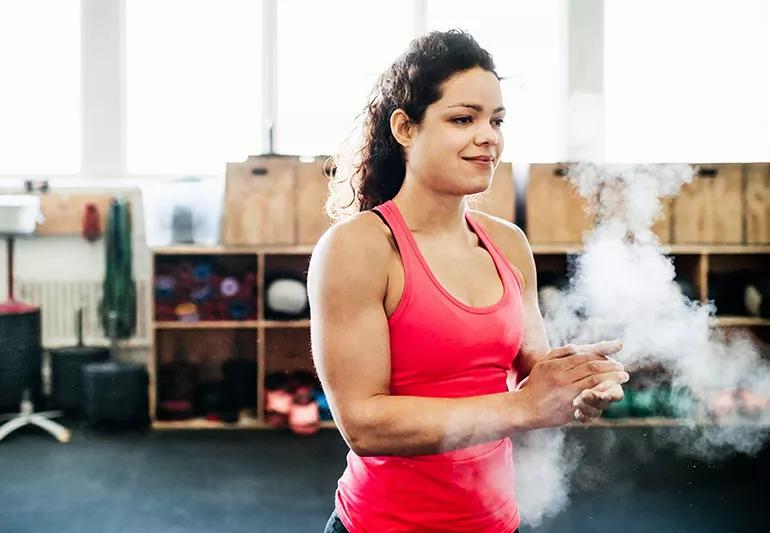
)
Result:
{"points": [[40, 102], [687, 81], [527, 42], [194, 84], [329, 56]]}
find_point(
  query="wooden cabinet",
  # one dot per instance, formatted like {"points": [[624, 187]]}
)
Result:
{"points": [[709, 210], [556, 213], [279, 201], [259, 203], [310, 192], [273, 344], [285, 344], [757, 203]]}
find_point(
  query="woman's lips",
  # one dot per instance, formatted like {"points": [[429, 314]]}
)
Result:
{"points": [[482, 163]]}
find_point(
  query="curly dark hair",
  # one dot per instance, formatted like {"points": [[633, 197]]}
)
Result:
{"points": [[376, 171]]}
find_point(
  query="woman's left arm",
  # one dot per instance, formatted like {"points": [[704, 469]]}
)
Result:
{"points": [[534, 344]]}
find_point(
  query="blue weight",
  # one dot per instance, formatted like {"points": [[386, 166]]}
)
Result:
{"points": [[238, 311], [202, 271]]}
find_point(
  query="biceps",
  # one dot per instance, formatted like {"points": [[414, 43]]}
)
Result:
{"points": [[351, 352]]}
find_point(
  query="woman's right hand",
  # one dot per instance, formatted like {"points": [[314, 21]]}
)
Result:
{"points": [[558, 378]]}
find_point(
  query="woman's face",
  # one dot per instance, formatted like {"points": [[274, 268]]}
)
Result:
{"points": [[464, 123]]}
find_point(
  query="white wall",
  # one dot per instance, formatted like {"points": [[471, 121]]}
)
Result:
{"points": [[73, 258]]}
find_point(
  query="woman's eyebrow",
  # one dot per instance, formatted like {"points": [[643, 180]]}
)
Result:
{"points": [[478, 107]]}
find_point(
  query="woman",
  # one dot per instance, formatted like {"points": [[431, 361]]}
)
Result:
{"points": [[420, 307]]}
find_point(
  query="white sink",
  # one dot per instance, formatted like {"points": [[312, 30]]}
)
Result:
{"points": [[19, 213]]}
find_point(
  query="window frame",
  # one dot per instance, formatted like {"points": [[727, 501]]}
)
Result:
{"points": [[103, 82]]}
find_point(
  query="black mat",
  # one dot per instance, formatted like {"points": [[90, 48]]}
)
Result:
{"points": [[268, 481]]}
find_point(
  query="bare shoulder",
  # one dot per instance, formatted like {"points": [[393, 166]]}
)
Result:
{"points": [[512, 241], [507, 236], [355, 249]]}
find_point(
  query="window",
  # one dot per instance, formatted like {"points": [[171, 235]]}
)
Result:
{"points": [[687, 81], [527, 41], [40, 88], [194, 84], [328, 60]]}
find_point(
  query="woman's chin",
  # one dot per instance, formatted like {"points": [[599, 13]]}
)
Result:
{"points": [[479, 182]]}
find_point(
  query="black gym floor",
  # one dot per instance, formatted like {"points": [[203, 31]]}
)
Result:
{"points": [[272, 481]]}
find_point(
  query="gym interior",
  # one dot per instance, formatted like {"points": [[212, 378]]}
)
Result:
{"points": [[165, 169]]}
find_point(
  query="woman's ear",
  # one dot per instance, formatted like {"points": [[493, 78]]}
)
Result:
{"points": [[401, 127]]}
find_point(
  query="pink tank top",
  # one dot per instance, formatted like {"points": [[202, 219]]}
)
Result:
{"points": [[441, 347]]}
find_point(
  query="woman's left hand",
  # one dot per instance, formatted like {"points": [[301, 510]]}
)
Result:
{"points": [[592, 402]]}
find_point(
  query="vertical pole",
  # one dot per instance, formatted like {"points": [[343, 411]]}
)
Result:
{"points": [[9, 241]]}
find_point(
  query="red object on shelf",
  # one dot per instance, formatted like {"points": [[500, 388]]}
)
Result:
{"points": [[92, 226], [164, 312], [278, 403], [304, 419]]}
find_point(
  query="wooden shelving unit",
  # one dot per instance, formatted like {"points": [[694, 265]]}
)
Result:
{"points": [[270, 333], [739, 321], [199, 423], [657, 422], [698, 259], [727, 205], [598, 423], [206, 324]]}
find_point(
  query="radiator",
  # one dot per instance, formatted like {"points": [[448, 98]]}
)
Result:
{"points": [[60, 300]]}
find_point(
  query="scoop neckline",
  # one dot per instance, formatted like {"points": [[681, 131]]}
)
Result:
{"points": [[486, 245]]}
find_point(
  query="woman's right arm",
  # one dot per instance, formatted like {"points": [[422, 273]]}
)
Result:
{"points": [[347, 280]]}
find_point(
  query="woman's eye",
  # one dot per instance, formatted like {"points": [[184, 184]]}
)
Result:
{"points": [[461, 120], [499, 122]]}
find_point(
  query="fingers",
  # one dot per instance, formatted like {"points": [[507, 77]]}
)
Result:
{"points": [[582, 417], [603, 347], [589, 403], [562, 351], [593, 401], [614, 377], [606, 387], [581, 357], [592, 368], [613, 394]]}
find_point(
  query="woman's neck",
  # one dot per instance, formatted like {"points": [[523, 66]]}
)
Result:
{"points": [[430, 213]]}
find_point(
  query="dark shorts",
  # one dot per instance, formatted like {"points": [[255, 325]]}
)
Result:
{"points": [[335, 525]]}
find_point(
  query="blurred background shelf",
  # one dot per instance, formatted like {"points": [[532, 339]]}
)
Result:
{"points": [[301, 249], [660, 422], [694, 249], [202, 423], [739, 321], [305, 323], [206, 324]]}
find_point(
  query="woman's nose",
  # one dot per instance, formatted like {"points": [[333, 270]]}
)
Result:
{"points": [[487, 135]]}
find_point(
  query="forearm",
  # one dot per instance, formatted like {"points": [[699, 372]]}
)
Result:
{"points": [[412, 425], [526, 360], [534, 347]]}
